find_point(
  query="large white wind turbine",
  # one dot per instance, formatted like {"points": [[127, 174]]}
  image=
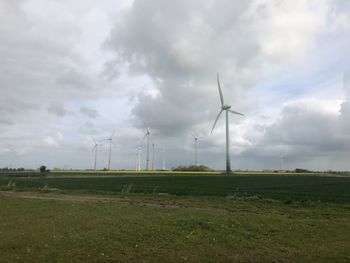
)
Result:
{"points": [[110, 139], [227, 109]]}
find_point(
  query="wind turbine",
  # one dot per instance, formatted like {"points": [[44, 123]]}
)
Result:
{"points": [[95, 149], [110, 149], [196, 138], [139, 150], [227, 109], [282, 162], [137, 158], [147, 157], [163, 160]]}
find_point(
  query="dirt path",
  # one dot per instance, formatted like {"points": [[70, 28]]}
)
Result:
{"points": [[100, 199]]}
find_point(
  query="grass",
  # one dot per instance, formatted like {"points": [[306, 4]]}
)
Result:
{"points": [[199, 230], [181, 218]]}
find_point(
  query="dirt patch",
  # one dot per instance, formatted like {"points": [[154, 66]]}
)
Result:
{"points": [[100, 199]]}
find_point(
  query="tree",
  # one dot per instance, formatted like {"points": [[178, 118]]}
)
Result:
{"points": [[42, 169]]}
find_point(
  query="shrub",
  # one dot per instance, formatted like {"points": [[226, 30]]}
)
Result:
{"points": [[194, 168]]}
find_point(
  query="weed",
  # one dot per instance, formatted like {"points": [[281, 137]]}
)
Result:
{"points": [[127, 189]]}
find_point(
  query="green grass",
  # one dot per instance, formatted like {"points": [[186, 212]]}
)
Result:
{"points": [[181, 218], [285, 188], [201, 229]]}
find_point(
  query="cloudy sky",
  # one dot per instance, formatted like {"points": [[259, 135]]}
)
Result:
{"points": [[73, 71]]}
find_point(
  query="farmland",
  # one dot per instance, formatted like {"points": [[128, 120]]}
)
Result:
{"points": [[278, 187], [180, 218]]}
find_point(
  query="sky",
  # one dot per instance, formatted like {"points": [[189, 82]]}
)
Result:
{"points": [[75, 71]]}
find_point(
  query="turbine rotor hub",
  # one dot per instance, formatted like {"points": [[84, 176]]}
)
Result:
{"points": [[225, 107]]}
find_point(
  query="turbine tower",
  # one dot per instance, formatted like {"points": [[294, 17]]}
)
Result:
{"points": [[95, 149], [227, 109], [139, 158], [147, 134], [163, 160], [196, 138], [147, 157], [282, 162], [153, 148], [110, 149]]}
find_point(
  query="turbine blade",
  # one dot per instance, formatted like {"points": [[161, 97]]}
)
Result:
{"points": [[216, 120], [235, 112], [220, 91], [142, 139], [112, 134]]}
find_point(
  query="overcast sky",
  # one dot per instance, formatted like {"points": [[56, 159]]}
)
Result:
{"points": [[73, 71]]}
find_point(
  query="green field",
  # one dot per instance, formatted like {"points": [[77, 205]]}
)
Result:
{"points": [[199, 218], [279, 187]]}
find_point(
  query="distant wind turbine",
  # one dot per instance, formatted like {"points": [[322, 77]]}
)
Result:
{"points": [[95, 150], [227, 108], [147, 135], [163, 160], [110, 149], [139, 150], [138, 159], [282, 162], [147, 155]]}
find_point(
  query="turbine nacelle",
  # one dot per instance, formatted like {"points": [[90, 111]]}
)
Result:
{"points": [[225, 107]]}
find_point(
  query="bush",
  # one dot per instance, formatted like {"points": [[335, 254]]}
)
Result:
{"points": [[299, 170], [193, 168], [43, 169]]}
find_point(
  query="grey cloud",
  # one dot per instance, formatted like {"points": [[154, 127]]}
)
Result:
{"points": [[42, 56], [182, 45], [50, 58], [57, 109], [304, 133], [111, 70], [73, 79], [11, 105], [89, 112], [345, 106], [4, 121]]}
